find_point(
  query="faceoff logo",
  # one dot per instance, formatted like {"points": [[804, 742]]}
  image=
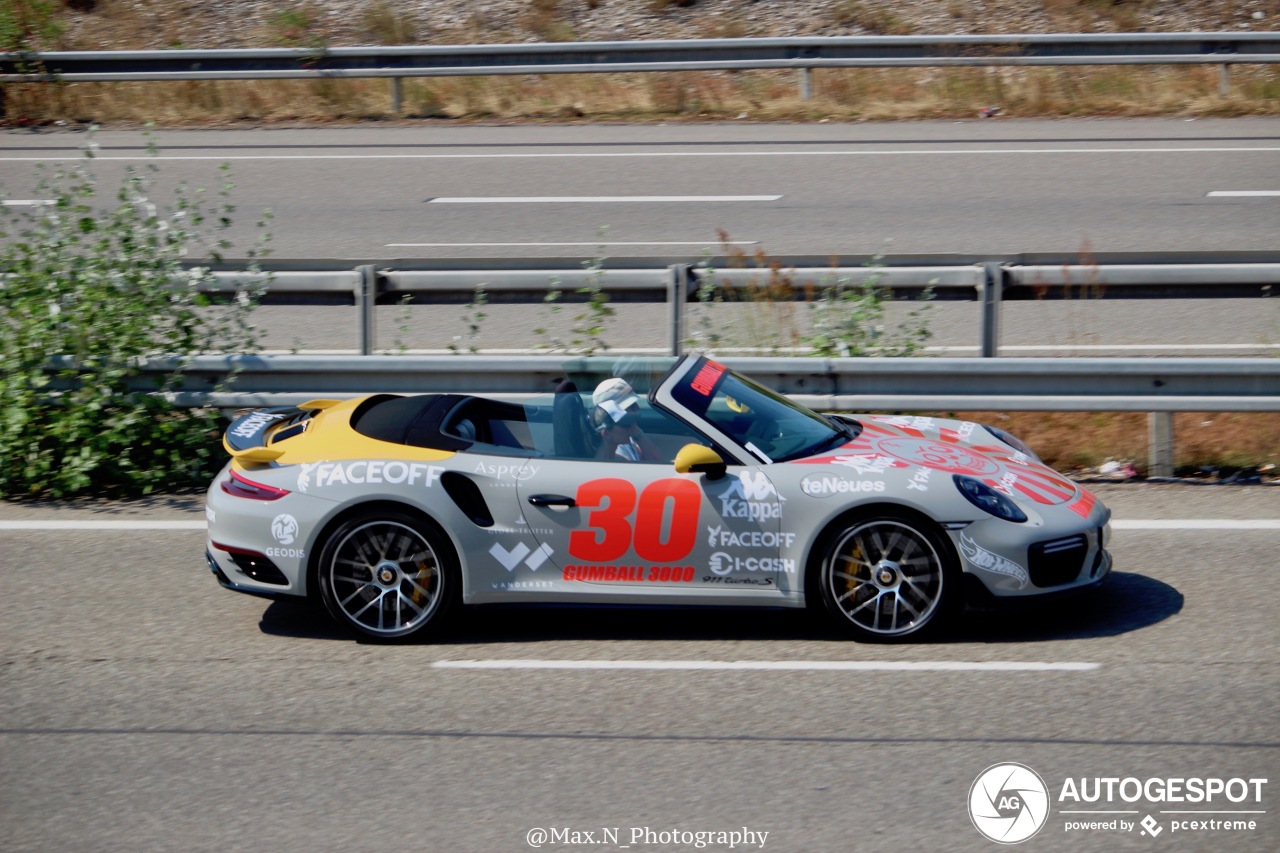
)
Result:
{"points": [[1008, 803]]}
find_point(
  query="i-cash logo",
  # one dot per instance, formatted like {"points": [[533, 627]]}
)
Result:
{"points": [[1009, 803]]}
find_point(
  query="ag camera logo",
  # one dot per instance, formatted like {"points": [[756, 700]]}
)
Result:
{"points": [[1009, 803]]}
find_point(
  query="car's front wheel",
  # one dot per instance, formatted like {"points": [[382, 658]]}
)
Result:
{"points": [[387, 574], [889, 576]]}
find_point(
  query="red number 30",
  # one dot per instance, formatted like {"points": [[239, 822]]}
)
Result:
{"points": [[608, 534]]}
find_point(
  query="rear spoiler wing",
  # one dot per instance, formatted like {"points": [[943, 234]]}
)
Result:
{"points": [[247, 438]]}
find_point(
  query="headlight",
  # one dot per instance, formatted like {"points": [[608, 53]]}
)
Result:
{"points": [[1013, 441], [988, 499]]}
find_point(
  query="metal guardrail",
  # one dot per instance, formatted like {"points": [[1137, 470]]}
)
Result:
{"points": [[991, 280], [959, 384], [801, 53], [1156, 386]]}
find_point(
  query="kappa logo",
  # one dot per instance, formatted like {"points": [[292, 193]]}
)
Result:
{"points": [[751, 495], [511, 559], [984, 559], [1009, 803], [284, 529]]}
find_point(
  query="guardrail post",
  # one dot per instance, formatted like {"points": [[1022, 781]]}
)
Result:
{"points": [[1224, 79], [397, 94], [806, 87], [677, 293], [366, 301], [1160, 454], [992, 292]]}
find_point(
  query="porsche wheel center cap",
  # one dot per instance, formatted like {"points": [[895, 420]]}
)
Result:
{"points": [[387, 574], [886, 576]]}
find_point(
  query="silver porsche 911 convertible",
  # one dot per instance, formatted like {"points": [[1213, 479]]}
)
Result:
{"points": [[670, 481]]}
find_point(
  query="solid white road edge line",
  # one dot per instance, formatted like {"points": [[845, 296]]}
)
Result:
{"points": [[140, 524], [579, 155], [1116, 524], [775, 665], [1196, 524], [707, 243], [1243, 193], [599, 199]]}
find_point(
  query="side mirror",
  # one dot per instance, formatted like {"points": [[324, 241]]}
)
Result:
{"points": [[696, 459]]}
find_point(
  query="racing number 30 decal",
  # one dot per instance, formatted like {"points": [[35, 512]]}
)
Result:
{"points": [[609, 528]]}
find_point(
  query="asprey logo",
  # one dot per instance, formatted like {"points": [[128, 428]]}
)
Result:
{"points": [[1008, 803]]}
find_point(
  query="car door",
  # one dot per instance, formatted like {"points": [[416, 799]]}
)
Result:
{"points": [[643, 527]]}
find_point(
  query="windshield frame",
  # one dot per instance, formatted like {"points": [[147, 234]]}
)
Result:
{"points": [[694, 388]]}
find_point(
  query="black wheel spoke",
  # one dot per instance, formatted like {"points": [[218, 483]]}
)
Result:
{"points": [[885, 577], [383, 578]]}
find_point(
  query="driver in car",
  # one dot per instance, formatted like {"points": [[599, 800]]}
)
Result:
{"points": [[616, 419]]}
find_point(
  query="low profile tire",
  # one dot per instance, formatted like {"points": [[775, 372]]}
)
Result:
{"points": [[388, 575], [889, 577]]}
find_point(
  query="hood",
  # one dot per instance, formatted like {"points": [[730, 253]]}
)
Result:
{"points": [[955, 447]]}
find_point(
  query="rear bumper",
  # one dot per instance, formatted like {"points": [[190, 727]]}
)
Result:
{"points": [[227, 583]]}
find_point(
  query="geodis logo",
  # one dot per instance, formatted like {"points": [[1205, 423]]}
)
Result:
{"points": [[1009, 803]]}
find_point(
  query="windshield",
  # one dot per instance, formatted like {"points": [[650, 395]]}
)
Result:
{"points": [[770, 426]]}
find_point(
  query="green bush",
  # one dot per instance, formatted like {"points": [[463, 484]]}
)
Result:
{"points": [[91, 288]]}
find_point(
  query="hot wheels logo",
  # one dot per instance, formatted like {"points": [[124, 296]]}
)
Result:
{"points": [[984, 559]]}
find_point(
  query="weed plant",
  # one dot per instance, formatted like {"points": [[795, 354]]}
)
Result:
{"points": [[837, 316], [92, 288]]}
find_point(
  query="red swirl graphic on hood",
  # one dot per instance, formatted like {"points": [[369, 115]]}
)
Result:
{"points": [[884, 446], [952, 458]]}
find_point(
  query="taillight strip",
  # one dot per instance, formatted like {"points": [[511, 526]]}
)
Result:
{"points": [[242, 487]]}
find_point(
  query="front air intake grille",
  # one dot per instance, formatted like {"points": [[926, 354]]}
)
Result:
{"points": [[1057, 561], [255, 565]]}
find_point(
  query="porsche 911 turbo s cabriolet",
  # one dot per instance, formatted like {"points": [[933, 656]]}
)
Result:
{"points": [[671, 481]]}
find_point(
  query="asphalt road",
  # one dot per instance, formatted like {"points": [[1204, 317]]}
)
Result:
{"points": [[145, 709], [932, 187]]}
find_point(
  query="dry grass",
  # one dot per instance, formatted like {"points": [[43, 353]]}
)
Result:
{"points": [[1075, 440], [839, 94]]}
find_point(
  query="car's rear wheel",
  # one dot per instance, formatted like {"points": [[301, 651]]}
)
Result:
{"points": [[388, 574], [889, 576]]}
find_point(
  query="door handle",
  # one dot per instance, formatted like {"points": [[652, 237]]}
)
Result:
{"points": [[552, 500]]}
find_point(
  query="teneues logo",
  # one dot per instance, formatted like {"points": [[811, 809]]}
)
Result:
{"points": [[1009, 803]]}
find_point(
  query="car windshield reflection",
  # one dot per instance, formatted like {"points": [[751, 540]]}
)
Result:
{"points": [[768, 425]]}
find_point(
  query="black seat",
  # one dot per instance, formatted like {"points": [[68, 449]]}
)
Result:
{"points": [[573, 438]]}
